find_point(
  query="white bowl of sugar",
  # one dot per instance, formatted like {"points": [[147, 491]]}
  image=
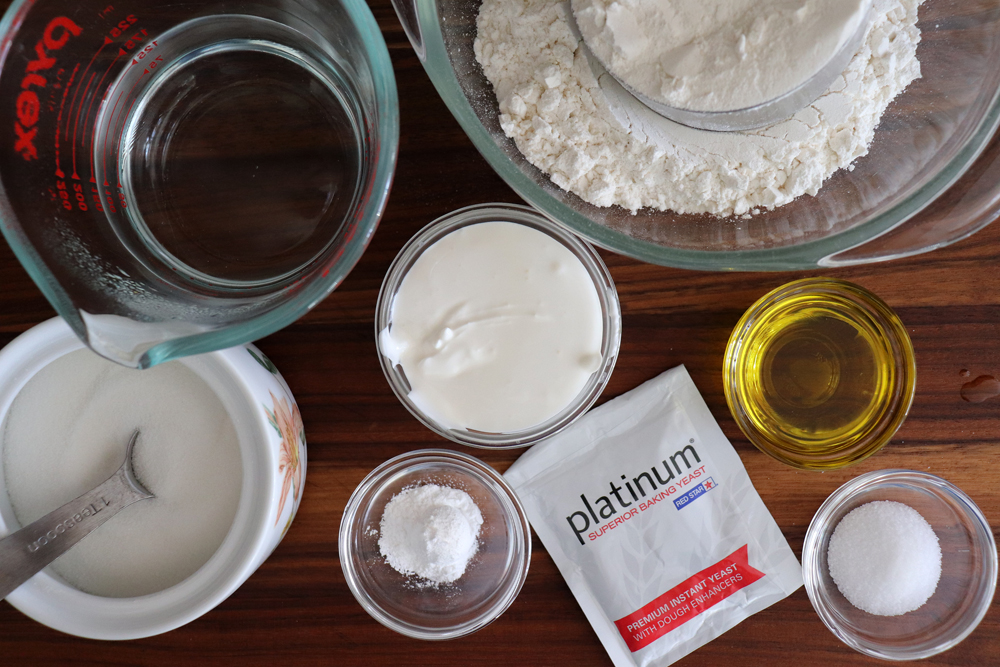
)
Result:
{"points": [[221, 445]]}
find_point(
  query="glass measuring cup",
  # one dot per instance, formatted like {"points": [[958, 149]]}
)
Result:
{"points": [[183, 177]]}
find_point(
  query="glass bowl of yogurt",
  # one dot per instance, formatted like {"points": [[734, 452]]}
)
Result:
{"points": [[966, 574], [435, 604], [496, 327]]}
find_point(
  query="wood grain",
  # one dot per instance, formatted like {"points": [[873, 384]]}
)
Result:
{"points": [[297, 610]]}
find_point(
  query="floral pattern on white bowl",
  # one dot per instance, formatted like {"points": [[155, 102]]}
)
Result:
{"points": [[286, 420]]}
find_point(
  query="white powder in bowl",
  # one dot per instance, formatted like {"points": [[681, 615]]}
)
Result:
{"points": [[575, 123], [717, 55], [430, 531], [66, 432], [885, 558]]}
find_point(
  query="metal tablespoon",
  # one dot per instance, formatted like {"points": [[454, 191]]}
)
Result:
{"points": [[29, 550]]}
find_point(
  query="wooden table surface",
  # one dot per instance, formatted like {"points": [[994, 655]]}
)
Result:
{"points": [[297, 610]]}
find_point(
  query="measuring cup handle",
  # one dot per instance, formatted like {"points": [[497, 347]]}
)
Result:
{"points": [[406, 11], [30, 549]]}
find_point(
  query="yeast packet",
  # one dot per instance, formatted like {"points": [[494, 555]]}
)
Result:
{"points": [[652, 520]]}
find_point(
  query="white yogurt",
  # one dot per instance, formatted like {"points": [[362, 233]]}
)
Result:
{"points": [[497, 327]]}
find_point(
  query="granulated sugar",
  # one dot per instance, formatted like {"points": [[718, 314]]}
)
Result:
{"points": [[430, 531], [574, 122], [885, 558], [66, 432]]}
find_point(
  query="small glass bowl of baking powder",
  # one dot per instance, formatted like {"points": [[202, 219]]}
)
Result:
{"points": [[968, 568], [594, 268], [419, 608]]}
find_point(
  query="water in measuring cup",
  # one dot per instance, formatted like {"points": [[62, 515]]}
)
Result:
{"points": [[241, 159]]}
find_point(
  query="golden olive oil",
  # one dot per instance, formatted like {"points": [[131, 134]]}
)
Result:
{"points": [[819, 373]]}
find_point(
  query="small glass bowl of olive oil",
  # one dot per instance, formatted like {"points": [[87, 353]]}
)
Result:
{"points": [[819, 373]]}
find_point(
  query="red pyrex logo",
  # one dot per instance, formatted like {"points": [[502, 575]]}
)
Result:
{"points": [[55, 36]]}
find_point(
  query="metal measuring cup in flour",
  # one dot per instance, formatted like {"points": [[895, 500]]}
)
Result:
{"points": [[724, 65]]}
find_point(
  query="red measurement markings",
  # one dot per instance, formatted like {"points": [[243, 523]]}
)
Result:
{"points": [[135, 41], [113, 121], [158, 60], [96, 196], [107, 40], [129, 44], [104, 150], [59, 171], [87, 115], [78, 88], [63, 194], [144, 52], [76, 124], [111, 200], [70, 196], [116, 31], [123, 116]]}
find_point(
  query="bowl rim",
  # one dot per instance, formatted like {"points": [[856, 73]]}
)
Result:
{"points": [[513, 510], [810, 255], [874, 479], [583, 251]]}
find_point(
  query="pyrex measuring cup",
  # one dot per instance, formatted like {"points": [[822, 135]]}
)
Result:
{"points": [[180, 177]]}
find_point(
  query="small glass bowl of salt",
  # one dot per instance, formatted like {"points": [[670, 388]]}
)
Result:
{"points": [[434, 544], [856, 534]]}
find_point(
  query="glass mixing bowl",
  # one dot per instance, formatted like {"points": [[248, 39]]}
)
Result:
{"points": [[934, 153]]}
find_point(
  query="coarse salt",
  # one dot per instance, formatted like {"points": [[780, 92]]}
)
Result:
{"points": [[885, 558]]}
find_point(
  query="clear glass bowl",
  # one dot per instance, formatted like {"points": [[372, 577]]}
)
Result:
{"points": [[927, 157], [606, 292], [490, 583], [772, 433], [968, 568]]}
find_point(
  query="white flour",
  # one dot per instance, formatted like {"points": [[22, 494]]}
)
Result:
{"points": [[717, 55], [576, 124], [430, 531]]}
